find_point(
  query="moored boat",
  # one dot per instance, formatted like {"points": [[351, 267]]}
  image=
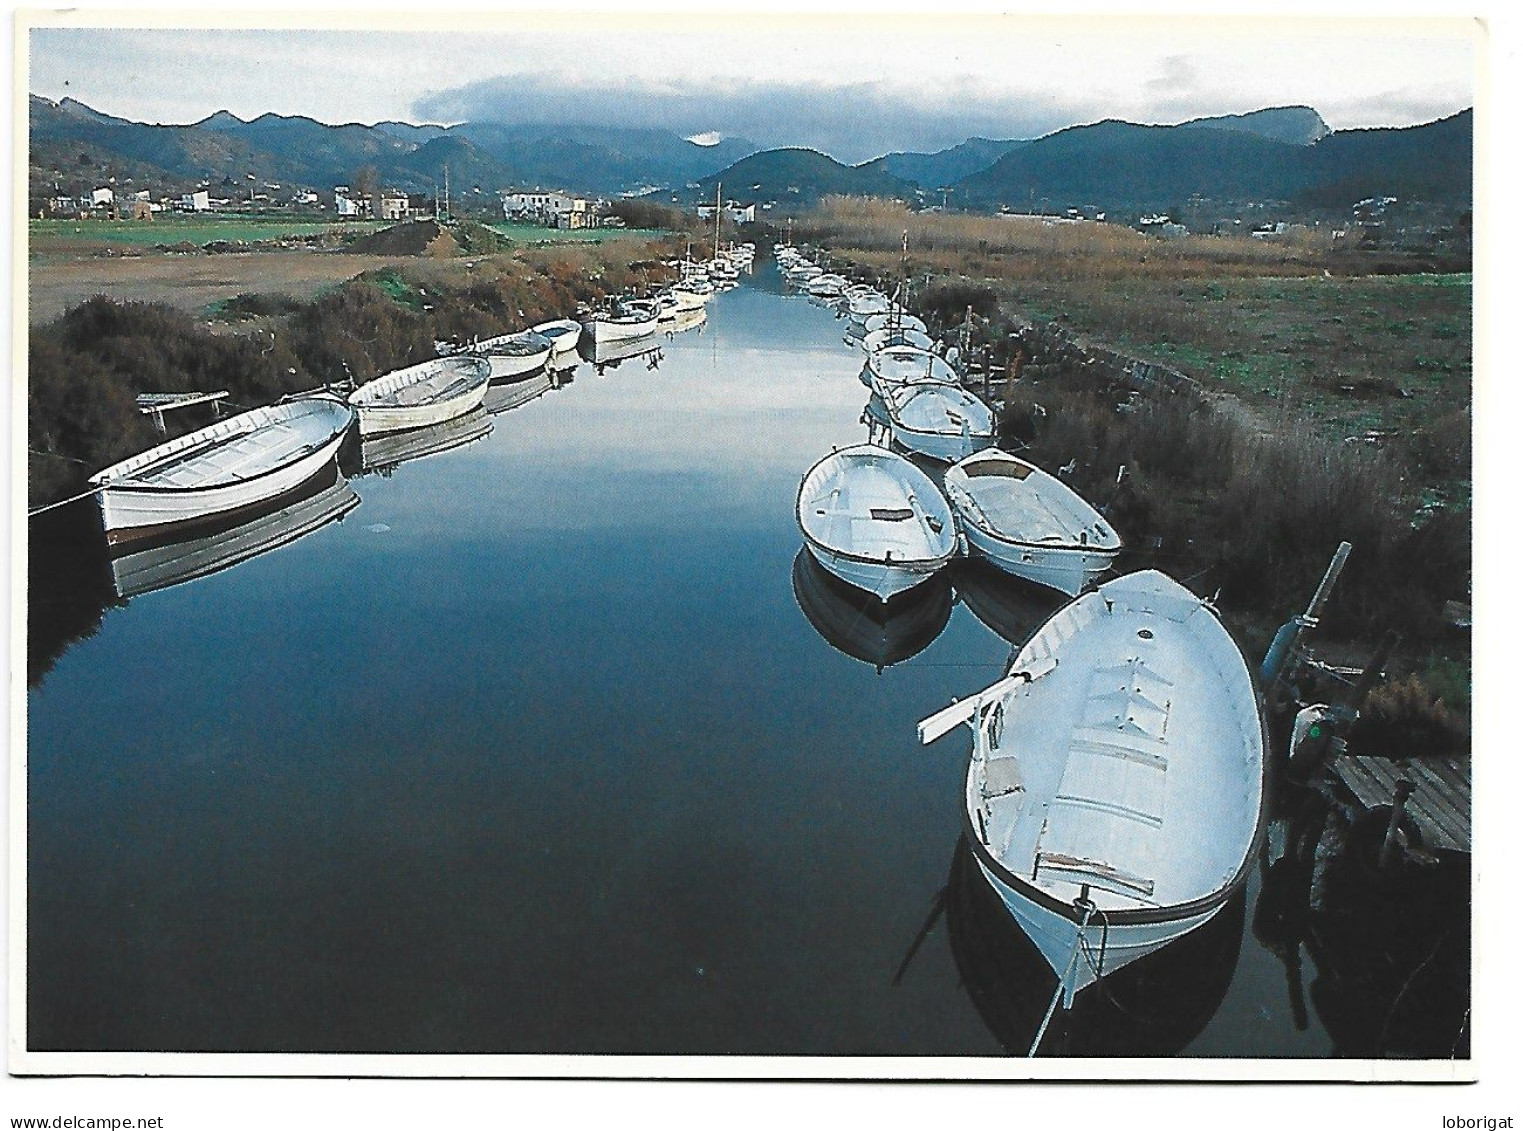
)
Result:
{"points": [[887, 336], [893, 367], [1030, 523], [421, 395], [221, 470], [1116, 790], [513, 355], [608, 326], [944, 422], [897, 319], [563, 333], [875, 520]]}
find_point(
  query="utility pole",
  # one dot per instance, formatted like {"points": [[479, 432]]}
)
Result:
{"points": [[446, 194]]}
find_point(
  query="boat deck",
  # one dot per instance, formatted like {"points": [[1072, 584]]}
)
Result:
{"points": [[1132, 762], [1021, 503], [228, 458], [870, 512]]}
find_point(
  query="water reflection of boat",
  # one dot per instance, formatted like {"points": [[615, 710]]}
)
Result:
{"points": [[687, 320], [606, 355], [385, 452], [1009, 606], [326, 498], [1153, 1007], [68, 583], [505, 395], [861, 626], [1389, 946]]}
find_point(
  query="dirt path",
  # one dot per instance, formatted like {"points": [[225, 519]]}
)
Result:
{"points": [[190, 282]]}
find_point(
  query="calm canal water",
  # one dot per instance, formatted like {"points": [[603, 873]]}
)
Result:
{"points": [[555, 744]]}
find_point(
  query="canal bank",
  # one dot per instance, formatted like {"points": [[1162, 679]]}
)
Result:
{"points": [[562, 764]]}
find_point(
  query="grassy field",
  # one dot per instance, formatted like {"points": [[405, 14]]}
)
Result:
{"points": [[1348, 354], [62, 235], [1295, 330], [56, 237], [1339, 390], [528, 233]]}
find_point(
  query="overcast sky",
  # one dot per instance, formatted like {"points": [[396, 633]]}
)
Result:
{"points": [[852, 86]]}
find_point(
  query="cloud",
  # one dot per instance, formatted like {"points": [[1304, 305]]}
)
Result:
{"points": [[1178, 74], [852, 121]]}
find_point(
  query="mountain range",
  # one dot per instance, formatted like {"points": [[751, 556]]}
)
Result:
{"points": [[1280, 153], [295, 150]]}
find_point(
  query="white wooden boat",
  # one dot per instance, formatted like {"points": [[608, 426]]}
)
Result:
{"points": [[386, 451], [875, 520], [826, 286], [1116, 790], [944, 422], [513, 355], [563, 333], [1028, 522], [160, 565], [882, 339], [893, 367], [421, 395], [896, 320], [605, 327], [862, 306], [223, 469], [692, 294]]}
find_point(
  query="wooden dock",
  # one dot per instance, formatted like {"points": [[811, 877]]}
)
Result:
{"points": [[1440, 800]]}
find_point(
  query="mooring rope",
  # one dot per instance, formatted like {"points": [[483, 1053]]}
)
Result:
{"points": [[1073, 957], [61, 502]]}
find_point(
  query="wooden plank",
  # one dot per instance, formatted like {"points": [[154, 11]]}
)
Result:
{"points": [[1440, 801]]}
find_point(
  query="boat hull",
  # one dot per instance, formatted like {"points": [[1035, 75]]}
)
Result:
{"points": [[1066, 569], [131, 513], [1056, 935], [505, 367], [883, 580], [948, 447], [601, 331], [563, 336], [379, 420]]}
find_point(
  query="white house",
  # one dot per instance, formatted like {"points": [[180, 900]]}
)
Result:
{"points": [[102, 196], [394, 205], [198, 201]]}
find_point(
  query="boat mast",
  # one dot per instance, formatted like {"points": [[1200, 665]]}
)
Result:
{"points": [[718, 188]]}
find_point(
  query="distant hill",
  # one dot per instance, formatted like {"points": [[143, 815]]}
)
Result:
{"points": [[932, 171], [1118, 165], [1296, 125], [1432, 162], [803, 176], [300, 151]]}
